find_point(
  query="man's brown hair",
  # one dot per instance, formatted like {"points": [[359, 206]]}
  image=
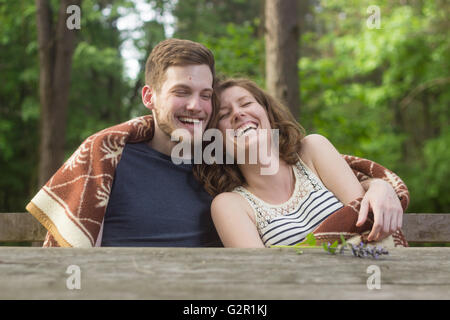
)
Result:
{"points": [[175, 52]]}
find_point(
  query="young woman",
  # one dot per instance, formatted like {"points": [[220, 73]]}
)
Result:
{"points": [[312, 181]]}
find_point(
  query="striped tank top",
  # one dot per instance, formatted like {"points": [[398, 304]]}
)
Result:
{"points": [[289, 223]]}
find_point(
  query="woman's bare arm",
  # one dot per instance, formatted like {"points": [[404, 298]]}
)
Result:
{"points": [[233, 224], [338, 177], [331, 168]]}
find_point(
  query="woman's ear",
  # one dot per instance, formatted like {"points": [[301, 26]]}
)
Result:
{"points": [[147, 97]]}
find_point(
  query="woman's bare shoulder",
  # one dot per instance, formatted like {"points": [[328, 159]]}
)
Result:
{"points": [[313, 145], [225, 197], [227, 202]]}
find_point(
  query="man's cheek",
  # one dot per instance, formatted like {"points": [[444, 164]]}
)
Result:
{"points": [[208, 109]]}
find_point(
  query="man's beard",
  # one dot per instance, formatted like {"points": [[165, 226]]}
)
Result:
{"points": [[165, 124]]}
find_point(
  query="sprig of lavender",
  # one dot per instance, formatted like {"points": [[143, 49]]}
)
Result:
{"points": [[361, 251]]}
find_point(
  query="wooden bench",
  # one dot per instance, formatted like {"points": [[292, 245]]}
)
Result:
{"points": [[417, 227]]}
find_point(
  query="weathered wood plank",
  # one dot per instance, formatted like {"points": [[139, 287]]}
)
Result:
{"points": [[417, 227], [218, 273], [432, 227], [20, 226]]}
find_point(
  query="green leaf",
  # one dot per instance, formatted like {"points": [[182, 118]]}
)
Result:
{"points": [[343, 242], [332, 248], [310, 239]]}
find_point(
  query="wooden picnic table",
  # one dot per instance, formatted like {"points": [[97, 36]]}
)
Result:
{"points": [[218, 273]]}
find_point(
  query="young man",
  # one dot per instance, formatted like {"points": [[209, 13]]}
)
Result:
{"points": [[153, 201], [121, 187]]}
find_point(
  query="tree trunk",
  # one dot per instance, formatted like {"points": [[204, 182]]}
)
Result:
{"points": [[56, 46], [282, 43]]}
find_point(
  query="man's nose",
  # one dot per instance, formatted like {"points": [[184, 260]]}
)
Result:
{"points": [[194, 103]]}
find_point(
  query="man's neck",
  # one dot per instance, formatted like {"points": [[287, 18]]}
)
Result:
{"points": [[161, 143]]}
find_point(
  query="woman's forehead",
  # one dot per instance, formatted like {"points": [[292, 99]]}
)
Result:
{"points": [[234, 94]]}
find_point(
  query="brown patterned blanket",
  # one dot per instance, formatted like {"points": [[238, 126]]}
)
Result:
{"points": [[72, 204], [344, 220]]}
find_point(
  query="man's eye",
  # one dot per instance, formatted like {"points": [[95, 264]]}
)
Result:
{"points": [[181, 92]]}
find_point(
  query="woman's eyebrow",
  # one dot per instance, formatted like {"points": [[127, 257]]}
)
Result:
{"points": [[243, 98]]}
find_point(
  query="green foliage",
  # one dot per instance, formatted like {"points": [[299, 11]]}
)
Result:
{"points": [[231, 29], [381, 94], [101, 94], [238, 53], [212, 16], [310, 240], [19, 104]]}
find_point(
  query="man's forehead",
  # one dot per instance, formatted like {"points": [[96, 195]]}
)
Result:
{"points": [[190, 75]]}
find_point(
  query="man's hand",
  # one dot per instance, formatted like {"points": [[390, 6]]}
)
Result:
{"points": [[386, 207]]}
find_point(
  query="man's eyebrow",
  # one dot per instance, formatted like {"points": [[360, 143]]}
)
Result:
{"points": [[180, 86], [185, 87]]}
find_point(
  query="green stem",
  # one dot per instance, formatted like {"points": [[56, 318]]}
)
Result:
{"points": [[296, 247]]}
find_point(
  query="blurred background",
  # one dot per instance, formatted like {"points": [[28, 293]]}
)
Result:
{"points": [[375, 83]]}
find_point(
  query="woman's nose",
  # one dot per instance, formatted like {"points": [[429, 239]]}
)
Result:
{"points": [[237, 114]]}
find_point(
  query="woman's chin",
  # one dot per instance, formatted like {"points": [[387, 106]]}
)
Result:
{"points": [[246, 150]]}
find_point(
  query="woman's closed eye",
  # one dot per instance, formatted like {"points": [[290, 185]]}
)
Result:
{"points": [[223, 115]]}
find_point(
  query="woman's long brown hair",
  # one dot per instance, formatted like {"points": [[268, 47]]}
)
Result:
{"points": [[218, 178]]}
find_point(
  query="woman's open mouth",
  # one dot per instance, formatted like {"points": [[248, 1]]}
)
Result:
{"points": [[245, 128]]}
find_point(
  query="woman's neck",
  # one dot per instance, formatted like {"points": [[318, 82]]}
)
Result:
{"points": [[275, 188]]}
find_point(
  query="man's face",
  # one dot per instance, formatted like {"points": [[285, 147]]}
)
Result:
{"points": [[184, 99]]}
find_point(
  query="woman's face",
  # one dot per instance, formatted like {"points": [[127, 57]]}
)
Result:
{"points": [[242, 116]]}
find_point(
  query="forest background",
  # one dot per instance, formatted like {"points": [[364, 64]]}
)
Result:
{"points": [[378, 93]]}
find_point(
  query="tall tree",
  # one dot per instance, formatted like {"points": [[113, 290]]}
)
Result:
{"points": [[282, 42], [56, 46]]}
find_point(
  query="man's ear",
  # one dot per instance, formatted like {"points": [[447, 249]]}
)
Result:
{"points": [[147, 97]]}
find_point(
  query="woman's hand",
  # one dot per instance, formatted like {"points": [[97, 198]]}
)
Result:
{"points": [[386, 207]]}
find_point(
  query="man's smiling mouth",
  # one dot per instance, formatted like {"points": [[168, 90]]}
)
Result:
{"points": [[190, 121]]}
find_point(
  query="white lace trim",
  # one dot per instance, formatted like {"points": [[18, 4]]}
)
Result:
{"points": [[305, 183]]}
